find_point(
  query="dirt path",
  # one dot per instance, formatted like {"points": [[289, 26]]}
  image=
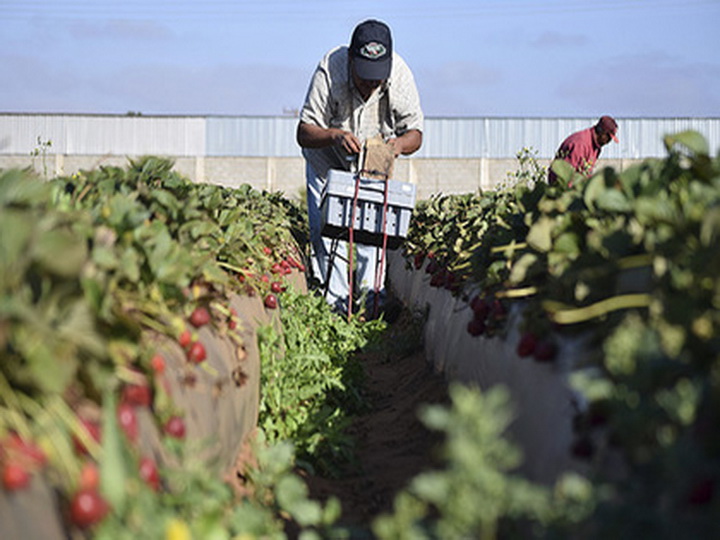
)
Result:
{"points": [[392, 444]]}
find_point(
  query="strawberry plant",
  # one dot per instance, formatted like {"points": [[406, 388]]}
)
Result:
{"points": [[628, 262], [97, 269], [310, 382]]}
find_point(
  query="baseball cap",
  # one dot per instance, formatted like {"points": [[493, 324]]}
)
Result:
{"points": [[371, 50], [608, 125]]}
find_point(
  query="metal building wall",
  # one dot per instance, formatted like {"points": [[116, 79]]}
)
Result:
{"points": [[216, 136], [262, 136], [500, 138], [103, 135]]}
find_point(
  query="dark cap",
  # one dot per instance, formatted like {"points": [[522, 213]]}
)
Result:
{"points": [[608, 125], [371, 50]]}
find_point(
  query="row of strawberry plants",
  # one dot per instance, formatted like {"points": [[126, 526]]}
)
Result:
{"points": [[99, 270], [627, 262]]}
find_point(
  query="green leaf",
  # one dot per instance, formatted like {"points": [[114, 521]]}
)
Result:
{"points": [[594, 187], [19, 187], [563, 170], [540, 235], [292, 496], [613, 200], [567, 243], [104, 257], [60, 252], [520, 269], [690, 139]]}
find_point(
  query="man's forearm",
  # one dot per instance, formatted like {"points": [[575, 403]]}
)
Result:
{"points": [[408, 142]]}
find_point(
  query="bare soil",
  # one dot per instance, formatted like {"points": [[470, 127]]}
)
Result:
{"points": [[393, 445]]}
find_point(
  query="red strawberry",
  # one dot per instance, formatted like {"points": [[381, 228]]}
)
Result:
{"points": [[545, 351], [271, 301], [583, 448], [702, 492], [138, 395], [199, 317], [149, 472], [15, 477], [185, 339], [418, 260], [480, 307], [128, 420], [526, 345], [158, 363], [276, 268], [89, 476], [197, 352], [87, 508], [497, 309], [28, 450], [276, 287], [476, 327], [175, 427], [267, 250]]}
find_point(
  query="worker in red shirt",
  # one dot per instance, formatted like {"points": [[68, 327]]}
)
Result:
{"points": [[582, 149]]}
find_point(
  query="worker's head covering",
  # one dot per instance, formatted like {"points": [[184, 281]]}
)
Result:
{"points": [[608, 125], [371, 50]]}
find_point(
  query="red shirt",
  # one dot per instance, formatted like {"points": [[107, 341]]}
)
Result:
{"points": [[581, 150]]}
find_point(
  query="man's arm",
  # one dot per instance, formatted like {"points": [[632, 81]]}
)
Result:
{"points": [[312, 136], [407, 143]]}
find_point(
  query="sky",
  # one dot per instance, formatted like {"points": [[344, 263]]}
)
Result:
{"points": [[470, 58]]}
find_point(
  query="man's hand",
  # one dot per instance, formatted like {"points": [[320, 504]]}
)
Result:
{"points": [[347, 141], [311, 136]]}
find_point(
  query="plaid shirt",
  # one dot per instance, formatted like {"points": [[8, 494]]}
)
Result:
{"points": [[333, 101]]}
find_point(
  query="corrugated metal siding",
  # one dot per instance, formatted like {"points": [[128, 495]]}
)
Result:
{"points": [[505, 137], [102, 135], [275, 136], [252, 136]]}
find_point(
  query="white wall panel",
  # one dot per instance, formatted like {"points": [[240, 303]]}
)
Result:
{"points": [[267, 136]]}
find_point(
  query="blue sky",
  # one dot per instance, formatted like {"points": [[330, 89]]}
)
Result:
{"points": [[571, 58]]}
